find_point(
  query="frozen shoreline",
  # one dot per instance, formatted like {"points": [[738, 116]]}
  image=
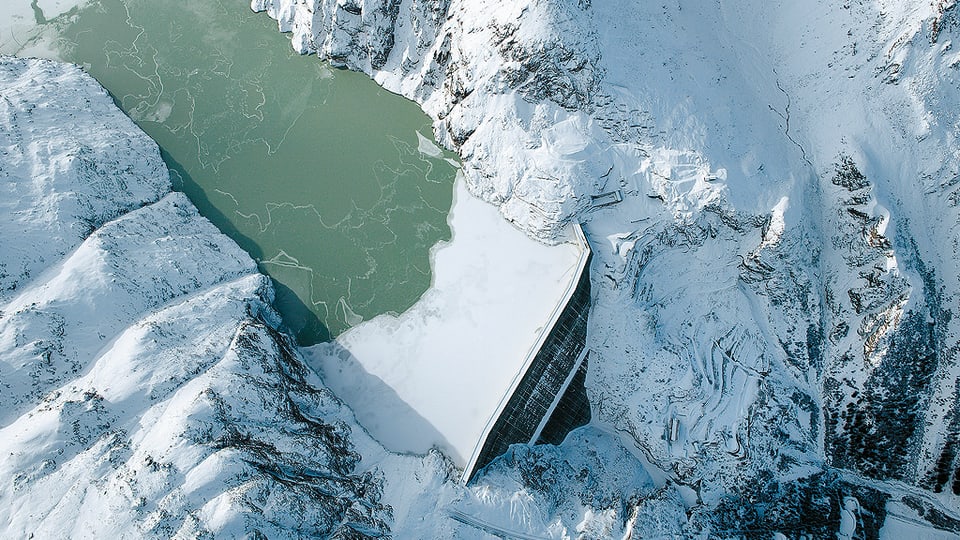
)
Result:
{"points": [[445, 364]]}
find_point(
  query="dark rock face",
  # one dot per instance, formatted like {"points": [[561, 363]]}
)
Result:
{"points": [[880, 433], [882, 358], [561, 69], [946, 473], [316, 474], [808, 507], [358, 38]]}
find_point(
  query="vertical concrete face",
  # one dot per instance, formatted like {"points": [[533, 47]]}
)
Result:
{"points": [[571, 412], [545, 388]]}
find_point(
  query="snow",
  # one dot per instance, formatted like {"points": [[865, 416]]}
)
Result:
{"points": [[848, 518], [899, 524], [53, 212], [449, 361], [19, 22], [724, 281], [16, 18]]}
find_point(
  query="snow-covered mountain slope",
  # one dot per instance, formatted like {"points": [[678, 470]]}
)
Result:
{"points": [[146, 390], [775, 296]]}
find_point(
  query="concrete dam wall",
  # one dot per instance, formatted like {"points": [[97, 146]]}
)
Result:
{"points": [[549, 399]]}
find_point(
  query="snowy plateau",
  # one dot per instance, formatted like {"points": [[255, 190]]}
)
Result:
{"points": [[775, 351]]}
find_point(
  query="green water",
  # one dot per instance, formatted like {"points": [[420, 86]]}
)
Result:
{"points": [[330, 182]]}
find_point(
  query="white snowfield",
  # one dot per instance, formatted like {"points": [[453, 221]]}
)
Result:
{"points": [[440, 370], [19, 20], [144, 389]]}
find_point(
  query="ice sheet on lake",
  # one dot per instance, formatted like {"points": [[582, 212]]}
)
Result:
{"points": [[444, 365]]}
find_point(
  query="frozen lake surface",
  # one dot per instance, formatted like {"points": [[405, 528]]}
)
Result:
{"points": [[331, 183]]}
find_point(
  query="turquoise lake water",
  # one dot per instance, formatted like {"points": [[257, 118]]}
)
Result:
{"points": [[331, 183]]}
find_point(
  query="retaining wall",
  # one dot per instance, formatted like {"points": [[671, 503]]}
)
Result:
{"points": [[547, 399]]}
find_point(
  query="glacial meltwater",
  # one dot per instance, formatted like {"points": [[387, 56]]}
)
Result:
{"points": [[331, 183]]}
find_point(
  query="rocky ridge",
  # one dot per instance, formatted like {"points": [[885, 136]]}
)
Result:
{"points": [[146, 390]]}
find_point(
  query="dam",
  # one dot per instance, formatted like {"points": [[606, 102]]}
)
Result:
{"points": [[547, 398], [338, 190]]}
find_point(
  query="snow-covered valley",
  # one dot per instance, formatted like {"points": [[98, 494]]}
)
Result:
{"points": [[774, 347]]}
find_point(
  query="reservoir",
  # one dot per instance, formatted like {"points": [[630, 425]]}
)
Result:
{"points": [[337, 189], [334, 185]]}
